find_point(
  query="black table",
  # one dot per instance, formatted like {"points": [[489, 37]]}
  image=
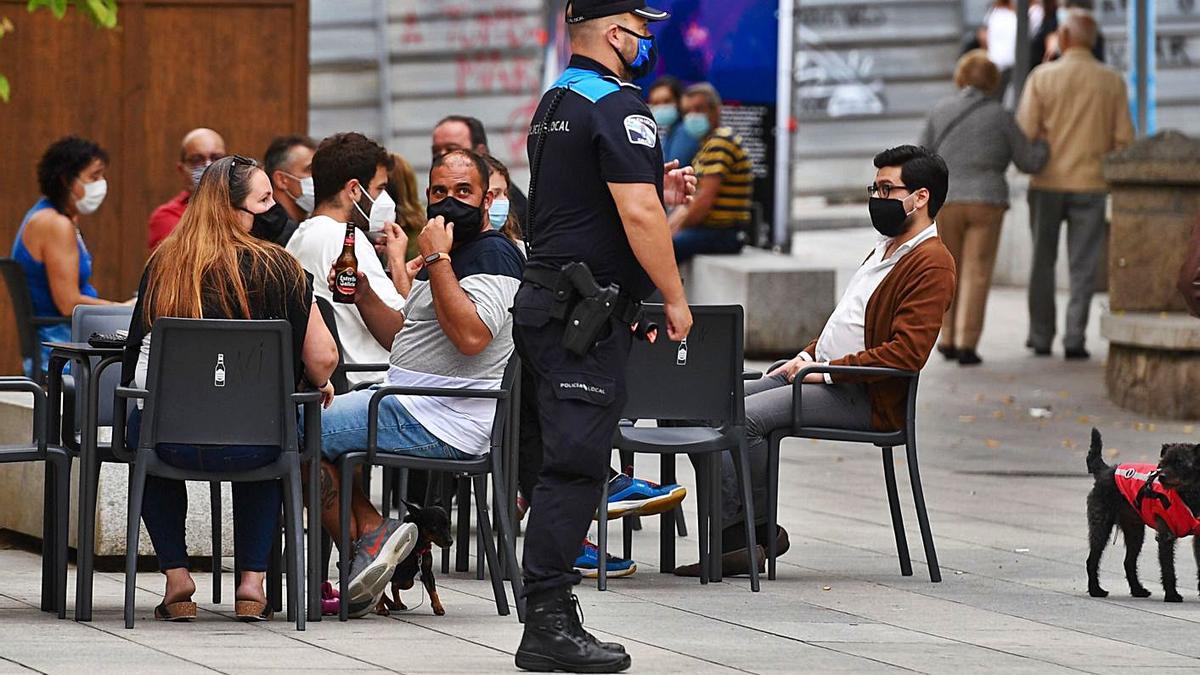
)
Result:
{"points": [[87, 390]]}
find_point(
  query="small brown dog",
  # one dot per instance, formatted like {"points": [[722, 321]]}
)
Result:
{"points": [[433, 527]]}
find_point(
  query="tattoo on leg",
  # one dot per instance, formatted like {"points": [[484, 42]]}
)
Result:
{"points": [[329, 493]]}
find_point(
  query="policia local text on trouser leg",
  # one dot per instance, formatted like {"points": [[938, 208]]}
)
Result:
{"points": [[579, 402]]}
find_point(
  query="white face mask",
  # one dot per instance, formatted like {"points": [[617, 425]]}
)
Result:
{"points": [[307, 199], [93, 197], [383, 210], [197, 173], [308, 195]]}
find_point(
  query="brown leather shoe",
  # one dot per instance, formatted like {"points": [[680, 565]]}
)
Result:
{"points": [[782, 543], [733, 564]]}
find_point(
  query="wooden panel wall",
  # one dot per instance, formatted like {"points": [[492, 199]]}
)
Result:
{"points": [[238, 66]]}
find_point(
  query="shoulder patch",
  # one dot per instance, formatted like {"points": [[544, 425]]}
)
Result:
{"points": [[641, 130]]}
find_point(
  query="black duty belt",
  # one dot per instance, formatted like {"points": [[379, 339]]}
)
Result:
{"points": [[584, 307], [566, 290]]}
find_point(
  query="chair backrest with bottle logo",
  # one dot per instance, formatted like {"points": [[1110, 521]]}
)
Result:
{"points": [[220, 382], [699, 379]]}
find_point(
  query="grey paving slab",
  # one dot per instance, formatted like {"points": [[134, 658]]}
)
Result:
{"points": [[950, 658]]}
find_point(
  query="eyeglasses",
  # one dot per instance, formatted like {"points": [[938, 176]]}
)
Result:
{"points": [[884, 190], [202, 160], [238, 159]]}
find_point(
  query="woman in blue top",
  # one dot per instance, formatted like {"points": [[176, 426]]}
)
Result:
{"points": [[57, 264]]}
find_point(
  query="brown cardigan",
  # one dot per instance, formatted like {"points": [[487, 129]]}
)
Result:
{"points": [[903, 318]]}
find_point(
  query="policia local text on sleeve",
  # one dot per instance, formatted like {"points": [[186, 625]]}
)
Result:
{"points": [[599, 244]]}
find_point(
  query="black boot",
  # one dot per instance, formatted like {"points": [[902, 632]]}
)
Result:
{"points": [[555, 640]]}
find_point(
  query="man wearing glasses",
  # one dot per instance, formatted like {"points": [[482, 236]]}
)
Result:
{"points": [[200, 148], [889, 317]]}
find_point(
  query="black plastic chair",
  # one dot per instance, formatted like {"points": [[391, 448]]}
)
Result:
{"points": [[704, 383], [477, 469], [256, 405], [886, 441], [22, 307], [85, 320], [56, 498], [338, 379]]}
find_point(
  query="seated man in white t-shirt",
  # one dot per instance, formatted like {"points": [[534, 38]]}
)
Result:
{"points": [[350, 172], [454, 332]]}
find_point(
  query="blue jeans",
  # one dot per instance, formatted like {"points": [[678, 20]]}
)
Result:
{"points": [[255, 505], [696, 240], [344, 429]]}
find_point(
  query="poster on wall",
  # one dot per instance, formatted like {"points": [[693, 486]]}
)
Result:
{"points": [[731, 44]]}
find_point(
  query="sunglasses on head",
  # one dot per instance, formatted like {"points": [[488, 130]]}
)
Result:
{"points": [[235, 161]]}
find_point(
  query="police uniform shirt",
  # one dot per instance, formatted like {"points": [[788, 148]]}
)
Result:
{"points": [[602, 132]]}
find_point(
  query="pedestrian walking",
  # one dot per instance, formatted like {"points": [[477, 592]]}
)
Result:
{"points": [[1081, 108], [978, 139]]}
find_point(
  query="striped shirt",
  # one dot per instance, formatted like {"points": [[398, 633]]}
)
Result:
{"points": [[722, 155]]}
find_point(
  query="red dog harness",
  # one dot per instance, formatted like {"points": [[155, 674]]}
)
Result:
{"points": [[1140, 487]]}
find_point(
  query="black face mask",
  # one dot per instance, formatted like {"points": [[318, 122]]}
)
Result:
{"points": [[467, 219], [888, 216], [647, 56]]}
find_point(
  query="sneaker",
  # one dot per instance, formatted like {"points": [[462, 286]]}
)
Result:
{"points": [[588, 563], [629, 496], [330, 600], [376, 555]]}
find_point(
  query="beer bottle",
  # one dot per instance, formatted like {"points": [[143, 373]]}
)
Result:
{"points": [[345, 270]]}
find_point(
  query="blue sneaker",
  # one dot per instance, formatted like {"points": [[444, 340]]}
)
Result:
{"points": [[588, 563], [628, 496]]}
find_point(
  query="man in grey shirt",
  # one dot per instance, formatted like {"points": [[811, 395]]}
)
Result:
{"points": [[454, 332]]}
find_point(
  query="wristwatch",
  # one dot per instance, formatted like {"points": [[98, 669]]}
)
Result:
{"points": [[434, 257]]}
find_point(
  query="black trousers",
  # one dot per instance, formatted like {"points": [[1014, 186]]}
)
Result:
{"points": [[579, 403]]}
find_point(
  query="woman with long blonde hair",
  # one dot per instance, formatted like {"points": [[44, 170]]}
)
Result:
{"points": [[210, 267]]}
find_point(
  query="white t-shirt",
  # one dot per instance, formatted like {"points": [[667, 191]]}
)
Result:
{"points": [[1002, 37], [316, 244]]}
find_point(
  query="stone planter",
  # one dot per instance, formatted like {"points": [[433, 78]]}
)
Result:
{"points": [[1154, 358]]}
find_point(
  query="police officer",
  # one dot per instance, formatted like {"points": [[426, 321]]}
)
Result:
{"points": [[599, 244]]}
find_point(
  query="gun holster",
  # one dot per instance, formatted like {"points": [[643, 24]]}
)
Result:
{"points": [[583, 305]]}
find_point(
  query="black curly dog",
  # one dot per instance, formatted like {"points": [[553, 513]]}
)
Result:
{"points": [[433, 527], [1178, 469]]}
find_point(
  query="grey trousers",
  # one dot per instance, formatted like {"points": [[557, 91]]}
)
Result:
{"points": [[769, 407], [1086, 230]]}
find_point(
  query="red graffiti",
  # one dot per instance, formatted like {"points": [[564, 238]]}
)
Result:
{"points": [[492, 73]]}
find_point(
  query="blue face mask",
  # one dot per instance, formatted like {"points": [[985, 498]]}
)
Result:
{"points": [[665, 115], [498, 214], [647, 55], [697, 125]]}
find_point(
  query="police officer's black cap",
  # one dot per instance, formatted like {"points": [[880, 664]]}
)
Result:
{"points": [[579, 11]]}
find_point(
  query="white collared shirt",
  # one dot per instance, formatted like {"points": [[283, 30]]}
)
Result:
{"points": [[316, 244], [845, 332]]}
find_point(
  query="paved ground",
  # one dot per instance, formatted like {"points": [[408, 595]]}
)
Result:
{"points": [[1006, 493]]}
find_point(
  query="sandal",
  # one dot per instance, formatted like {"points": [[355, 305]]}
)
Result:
{"points": [[252, 610], [175, 611]]}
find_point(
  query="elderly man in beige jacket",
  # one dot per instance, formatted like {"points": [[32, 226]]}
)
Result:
{"points": [[1082, 109]]}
